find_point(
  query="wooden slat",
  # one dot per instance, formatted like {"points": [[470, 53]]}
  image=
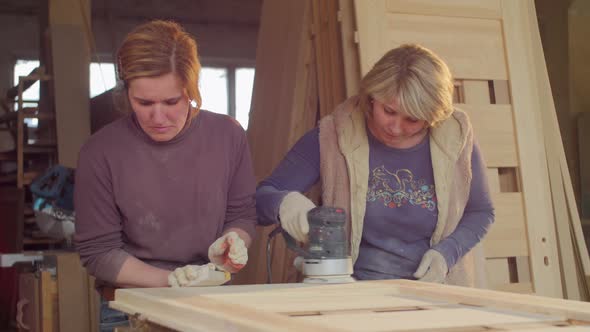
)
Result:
{"points": [[328, 55], [20, 138], [553, 145], [285, 94], [536, 189], [243, 307], [493, 180], [94, 299], [501, 92], [186, 312], [497, 271], [70, 57], [49, 307], [509, 179], [72, 284], [422, 319], [352, 70], [556, 329], [575, 310], [458, 8], [507, 236], [523, 268], [519, 287], [566, 216], [476, 92], [292, 301], [473, 48], [71, 92], [492, 125]]}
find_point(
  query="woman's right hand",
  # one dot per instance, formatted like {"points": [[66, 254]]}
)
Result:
{"points": [[293, 215]]}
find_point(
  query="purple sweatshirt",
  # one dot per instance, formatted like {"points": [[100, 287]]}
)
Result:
{"points": [[401, 206], [162, 202]]}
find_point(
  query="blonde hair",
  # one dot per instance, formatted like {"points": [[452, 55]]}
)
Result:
{"points": [[418, 78], [157, 48]]}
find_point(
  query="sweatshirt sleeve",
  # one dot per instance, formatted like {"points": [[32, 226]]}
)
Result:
{"points": [[477, 216], [298, 171], [241, 205], [98, 237]]}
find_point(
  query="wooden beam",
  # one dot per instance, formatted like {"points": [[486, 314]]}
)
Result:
{"points": [[532, 158]]}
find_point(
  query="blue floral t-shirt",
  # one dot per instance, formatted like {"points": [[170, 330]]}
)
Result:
{"points": [[401, 211]]}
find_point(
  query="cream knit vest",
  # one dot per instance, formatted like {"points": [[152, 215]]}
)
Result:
{"points": [[344, 165]]}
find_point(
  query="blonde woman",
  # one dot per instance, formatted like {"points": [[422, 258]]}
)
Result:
{"points": [[404, 164]]}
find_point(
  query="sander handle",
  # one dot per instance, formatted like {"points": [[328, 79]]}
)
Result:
{"points": [[292, 243]]}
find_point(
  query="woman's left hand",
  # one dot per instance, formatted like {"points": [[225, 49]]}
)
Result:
{"points": [[229, 252], [432, 268]]}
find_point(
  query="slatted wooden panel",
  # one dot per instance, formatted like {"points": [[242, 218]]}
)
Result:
{"points": [[478, 39], [398, 305]]}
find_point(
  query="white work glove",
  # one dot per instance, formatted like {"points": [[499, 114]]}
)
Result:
{"points": [[190, 275], [298, 263], [229, 252], [293, 215], [432, 268]]}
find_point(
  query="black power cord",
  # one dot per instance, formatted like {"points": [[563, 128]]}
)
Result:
{"points": [[272, 234]]}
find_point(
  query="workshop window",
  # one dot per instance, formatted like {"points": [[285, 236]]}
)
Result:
{"points": [[224, 89], [31, 95], [213, 85], [244, 87], [228, 90], [102, 77]]}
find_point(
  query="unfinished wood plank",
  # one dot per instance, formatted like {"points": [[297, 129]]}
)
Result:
{"points": [[536, 189], [49, 306], [424, 319], [299, 301], [493, 179], [328, 54], [283, 58], [575, 310], [476, 92], [352, 70], [93, 304], [565, 211], [509, 180], [492, 125], [216, 309], [584, 155], [185, 312], [497, 272], [556, 329], [458, 94], [508, 235], [337, 80], [458, 8], [519, 287], [20, 138], [523, 268], [555, 154], [473, 48], [69, 24], [280, 81], [73, 301], [501, 92]]}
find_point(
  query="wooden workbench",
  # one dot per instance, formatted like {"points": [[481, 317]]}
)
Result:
{"points": [[396, 305]]}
